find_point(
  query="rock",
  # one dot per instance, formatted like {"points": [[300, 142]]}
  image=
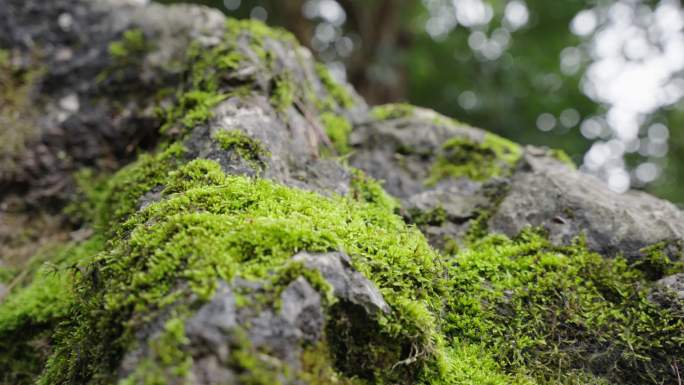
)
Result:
{"points": [[348, 284], [547, 193], [668, 292]]}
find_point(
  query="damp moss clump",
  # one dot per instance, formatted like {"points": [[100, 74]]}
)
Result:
{"points": [[337, 128], [224, 70], [516, 309], [463, 157], [392, 111], [337, 92], [40, 297], [250, 149]]}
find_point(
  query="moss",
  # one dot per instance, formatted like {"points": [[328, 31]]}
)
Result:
{"points": [[132, 45], [433, 217], [248, 148], [283, 95], [560, 313], [338, 129], [41, 298], [655, 261], [167, 360], [317, 370], [18, 113], [119, 196], [462, 157], [193, 108], [369, 190], [563, 157], [337, 92], [498, 311], [392, 111]]}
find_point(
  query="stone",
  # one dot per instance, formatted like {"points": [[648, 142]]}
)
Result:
{"points": [[547, 193], [347, 283]]}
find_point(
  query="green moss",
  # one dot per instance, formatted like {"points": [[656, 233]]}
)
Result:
{"points": [[471, 364], [18, 114], [563, 157], [193, 108], [132, 44], [258, 31], [338, 129], [283, 95], [120, 195], [500, 311], [337, 92], [559, 313], [434, 217], [462, 157], [41, 298], [367, 189], [46, 296], [392, 111], [248, 148], [317, 369], [655, 262], [167, 360]]}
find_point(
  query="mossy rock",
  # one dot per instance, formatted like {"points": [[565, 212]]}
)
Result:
{"points": [[246, 248]]}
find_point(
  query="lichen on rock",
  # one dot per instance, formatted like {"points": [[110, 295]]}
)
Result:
{"points": [[275, 230]]}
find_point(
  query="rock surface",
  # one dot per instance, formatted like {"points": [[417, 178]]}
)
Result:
{"points": [[222, 223]]}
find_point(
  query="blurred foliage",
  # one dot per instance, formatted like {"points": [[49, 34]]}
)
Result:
{"points": [[492, 72]]}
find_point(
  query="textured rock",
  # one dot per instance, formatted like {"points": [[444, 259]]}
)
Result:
{"points": [[546, 193], [348, 284], [540, 191]]}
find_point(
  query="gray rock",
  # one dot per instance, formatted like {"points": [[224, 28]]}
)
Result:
{"points": [[673, 284], [347, 283], [547, 193], [401, 151], [73, 38], [292, 153], [210, 324]]}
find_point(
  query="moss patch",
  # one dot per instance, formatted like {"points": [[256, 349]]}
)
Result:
{"points": [[132, 46], [18, 114], [338, 129], [462, 157], [337, 92], [248, 148], [392, 111]]}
